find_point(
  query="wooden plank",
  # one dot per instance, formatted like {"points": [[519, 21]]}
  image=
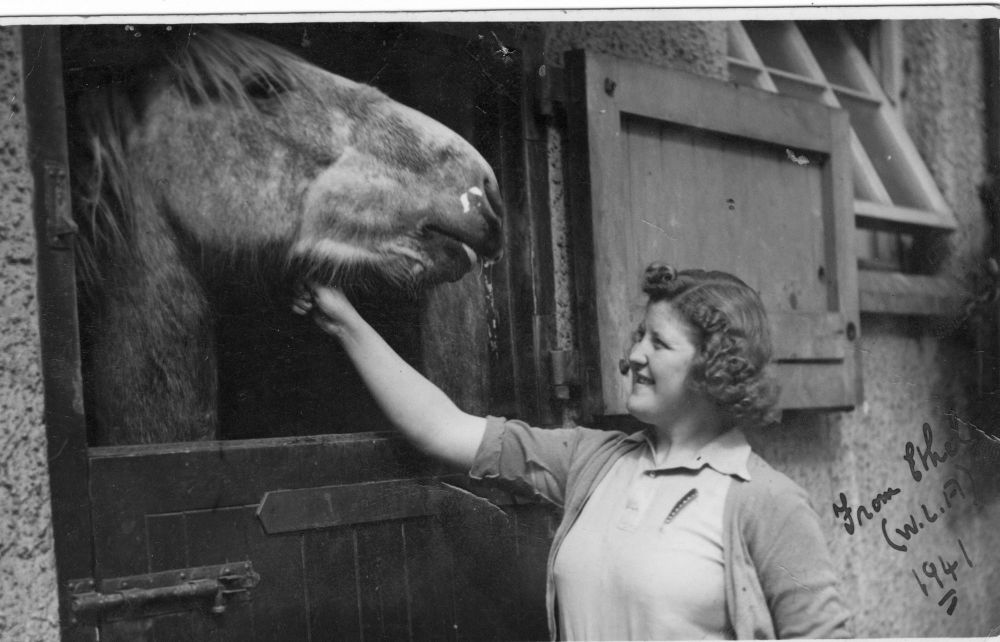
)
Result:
{"points": [[534, 527], [580, 207], [542, 256], [808, 337], [656, 231], [537, 299], [430, 569], [611, 207], [280, 604], [704, 103], [331, 584], [166, 542], [382, 576], [482, 546], [841, 269], [287, 511], [119, 544], [883, 214], [132, 482], [809, 385], [910, 294], [509, 293], [914, 172], [198, 475]]}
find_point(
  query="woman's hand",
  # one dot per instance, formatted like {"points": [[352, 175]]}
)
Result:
{"points": [[329, 307]]}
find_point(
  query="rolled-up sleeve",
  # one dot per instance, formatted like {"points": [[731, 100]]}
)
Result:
{"points": [[528, 460]]}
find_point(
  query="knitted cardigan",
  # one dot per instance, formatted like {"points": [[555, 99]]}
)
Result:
{"points": [[779, 579]]}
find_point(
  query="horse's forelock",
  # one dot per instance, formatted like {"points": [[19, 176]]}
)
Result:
{"points": [[215, 65]]}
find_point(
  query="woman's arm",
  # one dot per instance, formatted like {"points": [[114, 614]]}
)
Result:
{"points": [[425, 415]]}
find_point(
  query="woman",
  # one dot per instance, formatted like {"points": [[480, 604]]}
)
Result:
{"points": [[678, 531]]}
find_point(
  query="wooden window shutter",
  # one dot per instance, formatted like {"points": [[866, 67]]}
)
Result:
{"points": [[665, 165]]}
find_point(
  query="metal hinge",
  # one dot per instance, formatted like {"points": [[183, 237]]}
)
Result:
{"points": [[59, 224], [163, 592], [565, 373], [549, 88]]}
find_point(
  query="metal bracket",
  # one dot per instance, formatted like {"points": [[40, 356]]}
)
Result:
{"points": [[565, 373], [549, 89], [59, 224], [163, 592]]}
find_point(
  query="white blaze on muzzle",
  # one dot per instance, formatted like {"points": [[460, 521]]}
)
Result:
{"points": [[464, 198]]}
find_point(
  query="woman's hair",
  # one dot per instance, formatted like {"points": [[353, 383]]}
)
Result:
{"points": [[731, 366]]}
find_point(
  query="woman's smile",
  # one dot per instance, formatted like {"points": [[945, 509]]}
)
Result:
{"points": [[642, 380], [660, 360]]}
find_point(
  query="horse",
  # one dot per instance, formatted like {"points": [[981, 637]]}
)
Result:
{"points": [[232, 165]]}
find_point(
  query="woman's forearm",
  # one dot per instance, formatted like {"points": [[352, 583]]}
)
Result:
{"points": [[415, 405]]}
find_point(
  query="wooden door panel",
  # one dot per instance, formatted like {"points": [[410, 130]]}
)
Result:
{"points": [[668, 166], [166, 541], [331, 586], [129, 511], [382, 600], [684, 183], [455, 573], [430, 569]]}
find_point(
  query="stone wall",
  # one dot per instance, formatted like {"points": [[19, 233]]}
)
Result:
{"points": [[28, 601]]}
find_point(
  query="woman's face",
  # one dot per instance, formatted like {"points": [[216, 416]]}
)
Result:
{"points": [[660, 361]]}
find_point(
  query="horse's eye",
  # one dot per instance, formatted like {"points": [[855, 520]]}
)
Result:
{"points": [[263, 87]]}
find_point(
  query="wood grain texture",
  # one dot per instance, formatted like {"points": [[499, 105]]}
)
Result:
{"points": [[699, 174]]}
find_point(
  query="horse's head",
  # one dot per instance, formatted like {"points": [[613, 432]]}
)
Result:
{"points": [[239, 146]]}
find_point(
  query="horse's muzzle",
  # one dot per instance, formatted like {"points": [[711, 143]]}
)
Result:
{"points": [[492, 247]]}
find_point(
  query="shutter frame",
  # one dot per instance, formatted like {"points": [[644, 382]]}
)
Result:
{"points": [[816, 355]]}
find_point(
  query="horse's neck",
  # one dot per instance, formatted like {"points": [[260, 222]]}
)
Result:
{"points": [[154, 362]]}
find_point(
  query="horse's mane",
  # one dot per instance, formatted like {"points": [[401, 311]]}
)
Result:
{"points": [[207, 65]]}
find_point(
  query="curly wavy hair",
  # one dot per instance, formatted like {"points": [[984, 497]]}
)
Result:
{"points": [[734, 339]]}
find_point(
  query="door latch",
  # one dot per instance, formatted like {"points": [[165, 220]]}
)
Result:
{"points": [[163, 592]]}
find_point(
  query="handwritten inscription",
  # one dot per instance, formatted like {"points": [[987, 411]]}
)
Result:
{"points": [[934, 572], [847, 512], [920, 459], [937, 578], [928, 458], [918, 522]]}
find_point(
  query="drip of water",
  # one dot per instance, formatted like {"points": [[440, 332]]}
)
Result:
{"points": [[492, 324]]}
